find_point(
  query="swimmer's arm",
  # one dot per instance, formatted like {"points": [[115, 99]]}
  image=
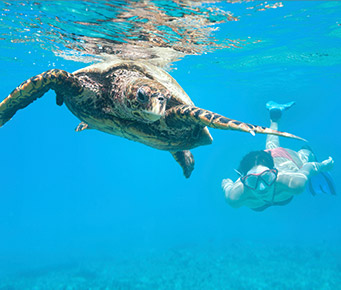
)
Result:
{"points": [[238, 195], [312, 168], [233, 192], [295, 182]]}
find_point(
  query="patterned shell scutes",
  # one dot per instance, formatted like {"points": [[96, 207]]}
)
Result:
{"points": [[147, 69]]}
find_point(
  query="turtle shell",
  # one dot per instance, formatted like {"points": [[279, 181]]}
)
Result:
{"points": [[166, 134], [151, 71]]}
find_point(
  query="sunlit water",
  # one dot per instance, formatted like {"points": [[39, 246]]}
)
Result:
{"points": [[93, 211]]}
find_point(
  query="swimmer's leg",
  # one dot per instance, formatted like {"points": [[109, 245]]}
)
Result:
{"points": [[272, 141], [275, 111]]}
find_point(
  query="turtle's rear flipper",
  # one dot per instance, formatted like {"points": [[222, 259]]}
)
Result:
{"points": [[214, 120], [60, 81], [186, 160]]}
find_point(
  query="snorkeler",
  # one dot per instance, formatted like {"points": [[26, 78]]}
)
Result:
{"points": [[273, 176]]}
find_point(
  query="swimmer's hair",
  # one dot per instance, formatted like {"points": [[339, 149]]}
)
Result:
{"points": [[254, 158]]}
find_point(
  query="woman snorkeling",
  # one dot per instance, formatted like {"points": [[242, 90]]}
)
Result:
{"points": [[273, 176]]}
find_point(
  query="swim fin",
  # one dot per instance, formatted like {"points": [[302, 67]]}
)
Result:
{"points": [[322, 183], [276, 109]]}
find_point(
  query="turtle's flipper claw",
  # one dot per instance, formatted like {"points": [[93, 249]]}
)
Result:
{"points": [[82, 126], [276, 109]]}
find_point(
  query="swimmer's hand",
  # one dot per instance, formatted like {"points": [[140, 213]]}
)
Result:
{"points": [[226, 183], [327, 164]]}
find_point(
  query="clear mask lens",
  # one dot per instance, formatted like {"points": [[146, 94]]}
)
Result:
{"points": [[251, 181], [268, 177]]}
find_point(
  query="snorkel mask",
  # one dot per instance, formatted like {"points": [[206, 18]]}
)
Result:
{"points": [[260, 181]]}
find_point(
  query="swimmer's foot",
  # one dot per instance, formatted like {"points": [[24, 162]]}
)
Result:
{"points": [[276, 109]]}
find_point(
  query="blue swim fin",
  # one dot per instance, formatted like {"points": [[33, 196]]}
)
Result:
{"points": [[322, 183], [276, 109]]}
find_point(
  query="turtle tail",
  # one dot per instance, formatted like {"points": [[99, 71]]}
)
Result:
{"points": [[214, 120], [60, 81]]}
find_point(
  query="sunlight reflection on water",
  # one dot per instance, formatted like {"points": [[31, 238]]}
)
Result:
{"points": [[130, 29]]}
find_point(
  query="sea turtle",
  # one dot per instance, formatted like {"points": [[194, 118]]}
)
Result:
{"points": [[131, 99]]}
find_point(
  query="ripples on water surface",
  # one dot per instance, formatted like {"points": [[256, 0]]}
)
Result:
{"points": [[131, 29], [162, 31]]}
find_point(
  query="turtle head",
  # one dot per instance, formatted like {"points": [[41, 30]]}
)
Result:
{"points": [[147, 99]]}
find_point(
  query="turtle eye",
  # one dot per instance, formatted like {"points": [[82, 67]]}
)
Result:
{"points": [[142, 97]]}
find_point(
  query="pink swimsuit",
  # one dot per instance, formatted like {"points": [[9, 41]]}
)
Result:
{"points": [[280, 152]]}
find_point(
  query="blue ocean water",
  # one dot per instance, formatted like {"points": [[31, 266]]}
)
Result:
{"points": [[93, 211]]}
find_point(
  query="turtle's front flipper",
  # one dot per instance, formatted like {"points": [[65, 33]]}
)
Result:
{"points": [[214, 120], [62, 82], [186, 160]]}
